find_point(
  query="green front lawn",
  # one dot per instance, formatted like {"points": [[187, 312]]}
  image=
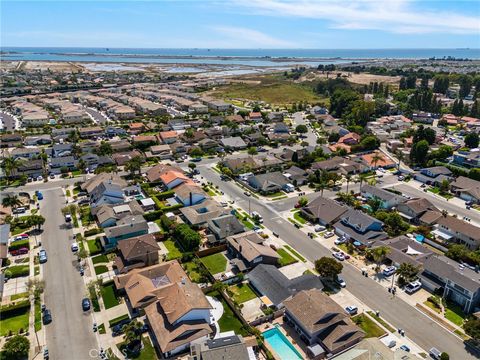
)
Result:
{"points": [[94, 246], [228, 321], [302, 259], [215, 263], [242, 293], [99, 259], [100, 269], [381, 321], [173, 250], [147, 352], [276, 194], [109, 296], [19, 296], [454, 313], [368, 325], [285, 257], [17, 271], [16, 322], [38, 316], [298, 217]]}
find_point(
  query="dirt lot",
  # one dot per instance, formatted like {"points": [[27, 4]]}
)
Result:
{"points": [[354, 78]]}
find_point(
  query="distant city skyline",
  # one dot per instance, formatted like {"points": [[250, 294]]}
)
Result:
{"points": [[248, 24]]}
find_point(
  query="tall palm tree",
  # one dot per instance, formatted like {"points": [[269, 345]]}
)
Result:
{"points": [[379, 254], [132, 331], [11, 201], [400, 157], [376, 158], [361, 178], [9, 164], [348, 177]]}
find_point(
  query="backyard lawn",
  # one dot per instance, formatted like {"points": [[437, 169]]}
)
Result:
{"points": [[215, 263], [100, 269], [109, 296], [193, 271], [15, 322], [285, 258], [173, 250], [242, 293], [368, 325], [228, 321]]}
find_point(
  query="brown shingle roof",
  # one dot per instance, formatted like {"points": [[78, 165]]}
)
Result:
{"points": [[138, 246]]}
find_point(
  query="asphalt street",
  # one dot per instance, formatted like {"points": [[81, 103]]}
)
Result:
{"points": [[99, 118], [70, 335], [418, 327], [310, 136], [8, 121]]}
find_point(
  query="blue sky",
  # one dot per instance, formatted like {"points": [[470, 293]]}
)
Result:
{"points": [[242, 24]]}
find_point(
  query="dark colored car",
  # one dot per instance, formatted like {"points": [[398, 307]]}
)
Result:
{"points": [[21, 251], [47, 317], [86, 304]]}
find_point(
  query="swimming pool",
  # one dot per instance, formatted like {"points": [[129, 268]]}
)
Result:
{"points": [[281, 345], [419, 238]]}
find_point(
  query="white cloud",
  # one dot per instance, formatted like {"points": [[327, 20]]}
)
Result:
{"points": [[249, 38], [397, 16]]}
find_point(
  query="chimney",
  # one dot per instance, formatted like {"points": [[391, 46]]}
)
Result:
{"points": [[191, 198], [240, 248], [183, 281]]}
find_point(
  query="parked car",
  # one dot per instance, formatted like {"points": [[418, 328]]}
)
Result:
{"points": [[340, 281], [40, 178], [247, 193], [435, 353], [42, 256], [21, 251], [19, 210], [20, 237], [47, 317], [52, 176], [405, 348], [351, 310], [86, 304], [328, 234], [345, 256], [389, 271], [46, 354], [74, 247], [401, 178], [68, 218], [340, 240], [339, 256], [319, 228], [412, 287]]}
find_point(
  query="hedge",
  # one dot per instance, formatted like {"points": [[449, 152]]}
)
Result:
{"points": [[12, 309], [171, 208], [117, 320], [157, 202], [165, 195], [19, 244], [92, 232], [153, 215], [17, 271]]}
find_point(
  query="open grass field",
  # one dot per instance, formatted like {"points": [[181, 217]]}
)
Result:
{"points": [[271, 89], [215, 263]]}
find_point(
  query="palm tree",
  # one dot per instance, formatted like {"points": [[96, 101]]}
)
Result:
{"points": [[361, 178], [132, 331], [9, 165], [400, 157], [376, 158], [348, 177], [11, 201], [378, 254], [406, 272]]}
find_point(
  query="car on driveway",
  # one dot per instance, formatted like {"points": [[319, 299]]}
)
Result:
{"points": [[405, 348], [319, 228], [339, 256], [47, 317], [42, 256], [413, 287], [20, 237], [340, 240], [435, 353], [21, 251], [389, 270], [328, 234], [86, 304], [351, 310]]}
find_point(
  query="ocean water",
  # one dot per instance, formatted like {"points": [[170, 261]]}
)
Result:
{"points": [[246, 57]]}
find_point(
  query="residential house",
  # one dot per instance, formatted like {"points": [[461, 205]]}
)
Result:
{"points": [[43, 139], [449, 228], [222, 347], [120, 145], [223, 226], [126, 228], [199, 214], [269, 183], [106, 193], [466, 189], [136, 128], [208, 144], [56, 164], [172, 178], [339, 165], [271, 283], [323, 211], [10, 140], [403, 249], [467, 159], [255, 116], [296, 175], [388, 199], [377, 160], [359, 227], [90, 132], [275, 116], [414, 209], [123, 158], [454, 281], [162, 152], [177, 310], [59, 150], [144, 140], [31, 168], [25, 153], [434, 175], [136, 252], [95, 181], [168, 137], [190, 194], [321, 321], [155, 173], [248, 250], [233, 143]]}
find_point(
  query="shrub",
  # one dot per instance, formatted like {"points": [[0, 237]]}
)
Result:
{"points": [[165, 195], [188, 238], [153, 215], [19, 244], [92, 232]]}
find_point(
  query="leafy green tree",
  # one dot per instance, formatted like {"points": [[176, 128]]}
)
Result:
{"points": [[188, 238], [474, 174], [252, 151], [104, 149], [134, 165], [444, 186], [342, 101], [419, 151], [441, 83], [444, 356], [407, 272], [131, 331], [393, 222], [303, 201], [471, 140], [472, 327], [9, 164], [328, 267], [378, 254], [16, 348], [465, 82], [457, 252], [301, 129], [196, 152], [36, 220]]}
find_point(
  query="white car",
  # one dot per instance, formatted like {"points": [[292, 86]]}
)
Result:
{"points": [[339, 256], [389, 271], [340, 240], [340, 281], [319, 228], [328, 234], [74, 247], [412, 287]]}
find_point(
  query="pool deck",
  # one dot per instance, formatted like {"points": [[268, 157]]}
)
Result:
{"points": [[293, 338]]}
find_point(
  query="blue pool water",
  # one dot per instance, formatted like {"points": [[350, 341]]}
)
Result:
{"points": [[419, 238], [281, 345]]}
